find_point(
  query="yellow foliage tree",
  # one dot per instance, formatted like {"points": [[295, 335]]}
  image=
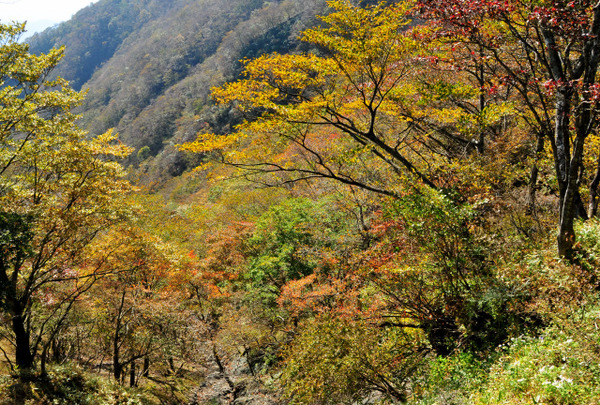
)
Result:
{"points": [[58, 190], [334, 115]]}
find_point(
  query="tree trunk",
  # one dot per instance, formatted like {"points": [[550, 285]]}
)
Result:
{"points": [[146, 369], [132, 374], [566, 181], [593, 201], [117, 366], [533, 177], [117, 369], [566, 230], [571, 202], [481, 80], [43, 359], [23, 356]]}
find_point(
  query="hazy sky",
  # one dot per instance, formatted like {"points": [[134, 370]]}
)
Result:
{"points": [[40, 14]]}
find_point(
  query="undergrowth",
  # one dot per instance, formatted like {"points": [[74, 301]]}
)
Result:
{"points": [[66, 385]]}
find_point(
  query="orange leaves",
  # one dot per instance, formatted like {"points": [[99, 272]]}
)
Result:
{"points": [[225, 252], [216, 292], [319, 294], [299, 296], [222, 262]]}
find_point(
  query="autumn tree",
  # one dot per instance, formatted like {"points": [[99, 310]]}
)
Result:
{"points": [[354, 114], [548, 53], [343, 361], [349, 114], [331, 115], [138, 307], [58, 191]]}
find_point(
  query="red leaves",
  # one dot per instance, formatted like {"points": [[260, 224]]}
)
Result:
{"points": [[594, 92], [567, 19], [492, 90], [587, 92], [464, 16], [550, 86], [467, 18]]}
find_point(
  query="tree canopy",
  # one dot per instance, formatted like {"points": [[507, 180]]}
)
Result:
{"points": [[58, 191], [334, 115], [367, 109]]}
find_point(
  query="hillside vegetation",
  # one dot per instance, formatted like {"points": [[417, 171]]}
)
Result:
{"points": [[149, 65], [340, 203]]}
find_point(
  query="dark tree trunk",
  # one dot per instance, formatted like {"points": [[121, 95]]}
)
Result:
{"points": [[117, 366], [43, 359], [146, 369], [481, 80], [23, 356], [117, 369], [132, 374], [566, 229], [586, 69], [567, 183]]}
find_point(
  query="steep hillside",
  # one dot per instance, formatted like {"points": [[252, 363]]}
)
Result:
{"points": [[149, 65], [93, 35]]}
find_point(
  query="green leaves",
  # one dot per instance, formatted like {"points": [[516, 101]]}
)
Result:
{"points": [[285, 246]]}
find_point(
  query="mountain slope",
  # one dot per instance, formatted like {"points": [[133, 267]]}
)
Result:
{"points": [[93, 35], [149, 66]]}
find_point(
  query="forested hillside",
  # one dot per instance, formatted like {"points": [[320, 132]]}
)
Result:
{"points": [[299, 202], [149, 65]]}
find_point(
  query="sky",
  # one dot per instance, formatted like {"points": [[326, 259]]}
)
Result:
{"points": [[40, 14]]}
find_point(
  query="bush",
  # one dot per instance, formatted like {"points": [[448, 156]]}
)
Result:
{"points": [[66, 385], [343, 361], [448, 380], [560, 366]]}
